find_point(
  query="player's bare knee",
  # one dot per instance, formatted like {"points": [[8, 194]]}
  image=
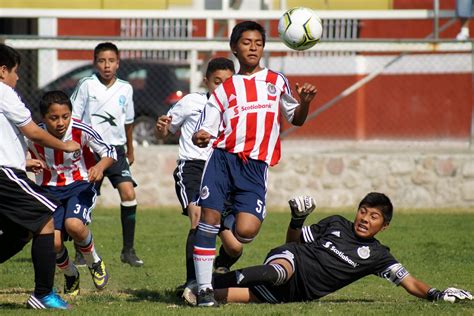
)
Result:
{"points": [[76, 229]]}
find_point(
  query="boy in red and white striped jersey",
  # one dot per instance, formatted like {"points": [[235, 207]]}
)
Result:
{"points": [[70, 178], [244, 115]]}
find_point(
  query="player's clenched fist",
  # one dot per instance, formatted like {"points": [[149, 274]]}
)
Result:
{"points": [[301, 206], [201, 138]]}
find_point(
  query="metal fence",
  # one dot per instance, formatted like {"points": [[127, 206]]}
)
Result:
{"points": [[367, 90]]}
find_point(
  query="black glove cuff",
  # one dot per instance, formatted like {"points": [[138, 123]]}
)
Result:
{"points": [[297, 223], [433, 294]]}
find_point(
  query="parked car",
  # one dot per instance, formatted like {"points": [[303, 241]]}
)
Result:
{"points": [[156, 86]]}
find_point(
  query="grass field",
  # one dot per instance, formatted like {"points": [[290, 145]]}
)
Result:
{"points": [[434, 245]]}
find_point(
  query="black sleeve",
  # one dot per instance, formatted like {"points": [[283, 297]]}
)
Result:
{"points": [[389, 268], [311, 233]]}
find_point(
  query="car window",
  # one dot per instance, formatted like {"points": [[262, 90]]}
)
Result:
{"points": [[69, 82], [137, 79]]}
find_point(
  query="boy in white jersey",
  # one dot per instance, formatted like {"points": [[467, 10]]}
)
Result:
{"points": [[106, 103], [70, 178], [25, 208], [244, 115], [183, 116]]}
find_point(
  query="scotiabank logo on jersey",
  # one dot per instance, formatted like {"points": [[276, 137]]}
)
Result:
{"points": [[329, 245]]}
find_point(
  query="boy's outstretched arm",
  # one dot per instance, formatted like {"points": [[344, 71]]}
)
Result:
{"points": [[422, 290]]}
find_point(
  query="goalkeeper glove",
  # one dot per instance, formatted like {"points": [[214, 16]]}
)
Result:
{"points": [[301, 207], [451, 295]]}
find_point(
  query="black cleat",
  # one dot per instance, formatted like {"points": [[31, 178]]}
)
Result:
{"points": [[129, 256], [206, 298]]}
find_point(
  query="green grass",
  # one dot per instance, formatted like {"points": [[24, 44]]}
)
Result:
{"points": [[435, 246]]}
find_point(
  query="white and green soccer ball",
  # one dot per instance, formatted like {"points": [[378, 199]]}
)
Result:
{"points": [[300, 28]]}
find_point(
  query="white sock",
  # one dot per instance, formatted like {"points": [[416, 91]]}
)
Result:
{"points": [[203, 260], [87, 248]]}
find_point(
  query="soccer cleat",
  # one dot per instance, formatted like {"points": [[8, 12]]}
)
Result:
{"points": [[129, 256], [221, 270], [71, 285], [79, 260], [206, 298], [189, 293], [99, 274], [52, 300]]}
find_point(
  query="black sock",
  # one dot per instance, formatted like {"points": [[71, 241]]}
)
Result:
{"points": [[256, 275], [44, 263], [190, 273], [127, 215], [224, 260]]}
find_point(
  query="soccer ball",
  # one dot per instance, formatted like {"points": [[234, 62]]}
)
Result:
{"points": [[300, 28]]}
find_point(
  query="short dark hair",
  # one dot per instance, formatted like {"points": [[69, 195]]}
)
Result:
{"points": [[51, 97], [104, 47], [9, 57], [243, 27], [219, 63], [381, 202]]}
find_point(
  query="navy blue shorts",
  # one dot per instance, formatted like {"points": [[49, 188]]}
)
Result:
{"points": [[78, 200], [119, 171], [227, 175]]}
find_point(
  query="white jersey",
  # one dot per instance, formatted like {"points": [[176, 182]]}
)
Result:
{"points": [[65, 168], [13, 114], [107, 110], [184, 115]]}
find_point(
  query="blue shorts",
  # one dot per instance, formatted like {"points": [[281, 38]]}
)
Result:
{"points": [[227, 175], [78, 200]]}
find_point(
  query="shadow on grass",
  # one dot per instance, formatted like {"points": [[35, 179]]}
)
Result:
{"points": [[10, 306], [169, 296]]}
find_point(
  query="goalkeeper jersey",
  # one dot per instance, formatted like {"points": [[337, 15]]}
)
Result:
{"points": [[329, 257]]}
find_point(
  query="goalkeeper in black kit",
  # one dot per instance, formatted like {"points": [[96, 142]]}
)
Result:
{"points": [[322, 258]]}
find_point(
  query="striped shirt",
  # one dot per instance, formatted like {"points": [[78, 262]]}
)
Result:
{"points": [[244, 114], [65, 168]]}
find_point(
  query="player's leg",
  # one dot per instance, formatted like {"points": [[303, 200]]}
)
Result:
{"points": [[214, 190], [128, 211], [229, 252], [236, 295], [78, 215], [231, 249], [187, 177], [28, 206]]}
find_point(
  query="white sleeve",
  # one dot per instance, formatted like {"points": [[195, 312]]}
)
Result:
{"points": [[288, 104], [14, 109], [178, 115], [211, 117], [79, 101], [130, 112], [98, 145]]}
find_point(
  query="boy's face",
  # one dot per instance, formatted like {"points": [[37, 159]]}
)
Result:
{"points": [[107, 63], [368, 222], [57, 119], [9, 77], [249, 48], [216, 78]]}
